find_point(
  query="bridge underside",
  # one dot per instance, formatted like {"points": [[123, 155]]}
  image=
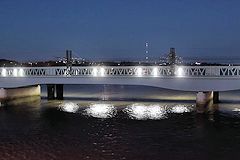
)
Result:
{"points": [[207, 89], [174, 83]]}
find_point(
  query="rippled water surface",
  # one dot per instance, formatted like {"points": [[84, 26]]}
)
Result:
{"points": [[117, 122]]}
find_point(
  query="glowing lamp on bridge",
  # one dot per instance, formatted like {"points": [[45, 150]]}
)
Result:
{"points": [[94, 72], [155, 72], [139, 72], [15, 72], [4, 72], [179, 72], [21, 72], [102, 72]]}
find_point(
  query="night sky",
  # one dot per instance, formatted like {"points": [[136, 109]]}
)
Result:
{"points": [[118, 29]]}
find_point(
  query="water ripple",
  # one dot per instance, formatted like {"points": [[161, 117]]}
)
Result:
{"points": [[69, 107], [141, 111], [101, 111]]}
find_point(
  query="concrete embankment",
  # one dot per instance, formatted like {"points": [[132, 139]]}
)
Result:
{"points": [[7, 94]]}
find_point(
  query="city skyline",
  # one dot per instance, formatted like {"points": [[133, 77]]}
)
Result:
{"points": [[118, 29]]}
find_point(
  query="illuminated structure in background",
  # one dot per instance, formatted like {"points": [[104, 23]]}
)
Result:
{"points": [[146, 51], [69, 59], [172, 60], [172, 57]]}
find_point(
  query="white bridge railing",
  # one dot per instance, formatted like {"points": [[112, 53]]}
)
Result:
{"points": [[122, 71]]}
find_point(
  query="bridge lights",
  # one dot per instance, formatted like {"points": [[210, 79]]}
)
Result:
{"points": [[4, 72], [179, 72], [155, 72], [21, 72], [102, 72], [94, 72], [139, 72], [15, 72], [98, 72]]}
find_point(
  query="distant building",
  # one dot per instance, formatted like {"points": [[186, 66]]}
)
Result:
{"points": [[172, 58]]}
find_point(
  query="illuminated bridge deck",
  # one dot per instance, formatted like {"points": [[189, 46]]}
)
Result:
{"points": [[188, 78]]}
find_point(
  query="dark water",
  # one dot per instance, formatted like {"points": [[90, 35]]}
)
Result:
{"points": [[119, 122]]}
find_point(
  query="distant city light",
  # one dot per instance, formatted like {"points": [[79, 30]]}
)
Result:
{"points": [[197, 63]]}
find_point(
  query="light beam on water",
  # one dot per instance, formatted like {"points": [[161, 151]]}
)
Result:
{"points": [[101, 110], [141, 111], [69, 107]]}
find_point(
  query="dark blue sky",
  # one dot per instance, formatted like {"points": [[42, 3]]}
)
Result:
{"points": [[41, 29]]}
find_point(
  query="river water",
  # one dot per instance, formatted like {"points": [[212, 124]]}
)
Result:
{"points": [[119, 122]]}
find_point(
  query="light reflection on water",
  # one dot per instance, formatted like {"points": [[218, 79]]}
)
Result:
{"points": [[155, 111], [100, 110], [74, 129], [232, 110], [181, 108], [236, 110], [138, 111], [97, 110], [141, 111], [69, 107]]}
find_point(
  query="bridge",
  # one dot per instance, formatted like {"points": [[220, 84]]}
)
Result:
{"points": [[207, 81]]}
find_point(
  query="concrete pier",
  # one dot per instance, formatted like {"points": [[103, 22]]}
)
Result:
{"points": [[205, 101], [215, 97], [55, 91], [51, 91], [13, 93], [59, 91]]}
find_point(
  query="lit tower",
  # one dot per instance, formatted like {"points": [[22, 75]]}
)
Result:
{"points": [[146, 51], [69, 60], [172, 57], [172, 60]]}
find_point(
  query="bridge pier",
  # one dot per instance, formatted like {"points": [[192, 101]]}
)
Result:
{"points": [[215, 97], [205, 100], [7, 94], [59, 91], [51, 91], [55, 89]]}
